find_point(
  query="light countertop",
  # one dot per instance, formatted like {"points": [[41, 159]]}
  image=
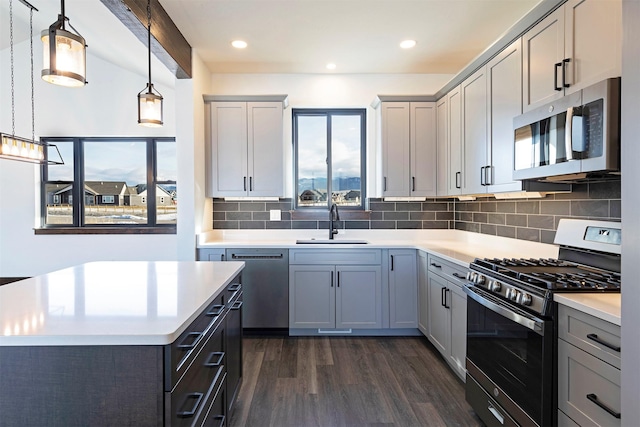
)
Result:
{"points": [[110, 303], [460, 247], [605, 306]]}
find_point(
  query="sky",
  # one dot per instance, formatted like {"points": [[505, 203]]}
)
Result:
{"points": [[116, 161]]}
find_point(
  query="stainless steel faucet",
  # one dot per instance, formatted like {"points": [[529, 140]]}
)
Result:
{"points": [[333, 216]]}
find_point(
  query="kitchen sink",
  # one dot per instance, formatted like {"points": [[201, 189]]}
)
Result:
{"points": [[331, 242]]}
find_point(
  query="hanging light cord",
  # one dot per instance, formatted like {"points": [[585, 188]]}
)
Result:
{"points": [[13, 101], [149, 35], [33, 107]]}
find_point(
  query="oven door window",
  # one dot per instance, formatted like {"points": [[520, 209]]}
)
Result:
{"points": [[509, 354]]}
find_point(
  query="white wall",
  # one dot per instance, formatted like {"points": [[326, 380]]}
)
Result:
{"points": [[190, 138], [107, 106], [327, 91]]}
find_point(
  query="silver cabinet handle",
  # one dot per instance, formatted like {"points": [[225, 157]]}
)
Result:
{"points": [[496, 414]]}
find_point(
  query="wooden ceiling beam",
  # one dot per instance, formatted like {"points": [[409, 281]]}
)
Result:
{"points": [[167, 43]]}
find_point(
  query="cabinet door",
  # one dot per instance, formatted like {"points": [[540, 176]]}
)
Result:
{"points": [[423, 149], [403, 289], [312, 296], [359, 297], [456, 177], [504, 86], [438, 315], [457, 302], [593, 41], [395, 149], [543, 48], [211, 254], [423, 293], [474, 131], [228, 164], [442, 135], [265, 149]]}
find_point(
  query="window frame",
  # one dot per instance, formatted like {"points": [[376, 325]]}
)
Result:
{"points": [[77, 199], [329, 113]]}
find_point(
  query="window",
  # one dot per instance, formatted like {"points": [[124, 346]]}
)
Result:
{"points": [[329, 150], [112, 179]]}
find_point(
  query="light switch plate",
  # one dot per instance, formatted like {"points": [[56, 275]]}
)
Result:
{"points": [[274, 215]]}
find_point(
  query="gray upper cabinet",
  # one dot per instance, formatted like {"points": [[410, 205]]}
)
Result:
{"points": [[408, 136], [246, 151], [577, 45], [403, 289], [474, 131], [442, 147], [504, 89], [455, 180]]}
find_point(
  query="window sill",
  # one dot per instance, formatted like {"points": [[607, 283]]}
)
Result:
{"points": [[105, 230]]}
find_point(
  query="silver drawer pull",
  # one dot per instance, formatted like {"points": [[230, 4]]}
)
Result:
{"points": [[594, 337], [191, 412], [211, 364], [236, 305], [495, 413], [216, 310], [195, 336], [592, 397]]}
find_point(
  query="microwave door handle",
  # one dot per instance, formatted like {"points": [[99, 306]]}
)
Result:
{"points": [[568, 134]]}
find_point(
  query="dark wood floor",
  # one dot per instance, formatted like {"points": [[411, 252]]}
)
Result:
{"points": [[335, 381]]}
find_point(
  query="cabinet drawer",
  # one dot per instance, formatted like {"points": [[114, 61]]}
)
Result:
{"points": [[191, 398], [449, 270], [179, 355], [588, 388], [591, 334], [335, 256]]}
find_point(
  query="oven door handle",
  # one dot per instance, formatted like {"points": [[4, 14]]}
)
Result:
{"points": [[529, 322]]}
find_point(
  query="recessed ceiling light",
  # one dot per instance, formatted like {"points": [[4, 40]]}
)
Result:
{"points": [[239, 44], [331, 66], [407, 44]]}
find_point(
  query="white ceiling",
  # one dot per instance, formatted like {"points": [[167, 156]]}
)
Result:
{"points": [[296, 36]]}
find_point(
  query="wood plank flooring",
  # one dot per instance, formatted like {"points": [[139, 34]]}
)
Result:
{"points": [[348, 381]]}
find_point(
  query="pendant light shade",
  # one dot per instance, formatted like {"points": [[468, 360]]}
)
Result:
{"points": [[64, 54], [149, 99], [150, 107]]}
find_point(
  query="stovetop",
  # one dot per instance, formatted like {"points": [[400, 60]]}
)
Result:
{"points": [[553, 275]]}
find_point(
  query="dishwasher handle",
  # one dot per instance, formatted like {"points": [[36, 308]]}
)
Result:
{"points": [[261, 256]]}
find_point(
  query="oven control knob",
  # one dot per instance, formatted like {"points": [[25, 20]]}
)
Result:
{"points": [[524, 299], [512, 294], [470, 275], [495, 286], [479, 279]]}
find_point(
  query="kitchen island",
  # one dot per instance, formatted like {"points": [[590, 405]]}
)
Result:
{"points": [[121, 343]]}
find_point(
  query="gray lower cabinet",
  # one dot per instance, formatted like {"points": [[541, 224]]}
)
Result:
{"points": [[335, 289], [403, 288], [423, 293], [335, 296], [588, 370], [447, 313], [211, 254]]}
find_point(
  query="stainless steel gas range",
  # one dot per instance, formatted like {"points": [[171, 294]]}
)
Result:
{"points": [[511, 330]]}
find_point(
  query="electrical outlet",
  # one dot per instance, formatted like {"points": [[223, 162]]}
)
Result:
{"points": [[274, 215]]}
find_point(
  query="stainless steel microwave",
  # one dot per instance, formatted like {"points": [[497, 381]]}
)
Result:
{"points": [[574, 137]]}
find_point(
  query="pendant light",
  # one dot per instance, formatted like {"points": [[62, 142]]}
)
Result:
{"points": [[149, 102], [64, 54], [14, 147]]}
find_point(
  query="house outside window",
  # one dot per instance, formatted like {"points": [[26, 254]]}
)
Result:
{"points": [[330, 152], [112, 178]]}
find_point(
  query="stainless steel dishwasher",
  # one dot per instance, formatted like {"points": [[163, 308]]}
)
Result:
{"points": [[265, 284]]}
